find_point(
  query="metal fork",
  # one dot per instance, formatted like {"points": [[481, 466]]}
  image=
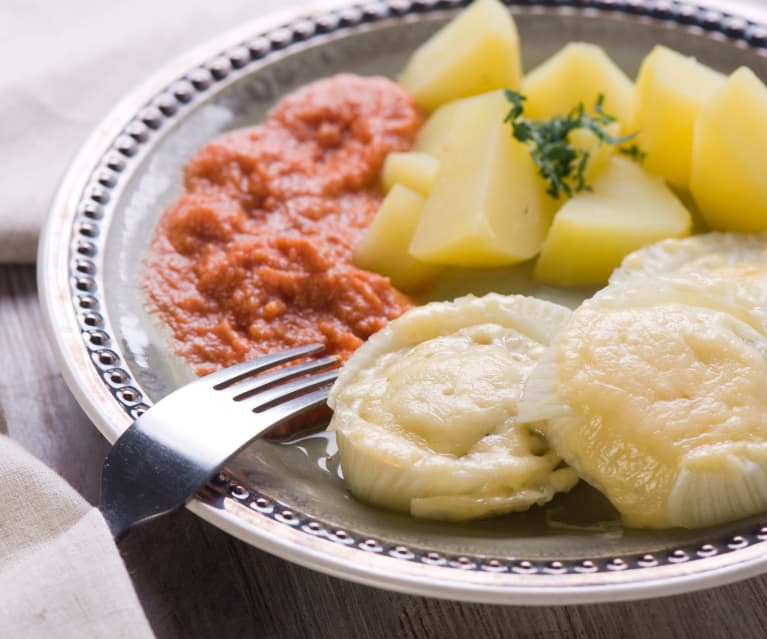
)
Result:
{"points": [[169, 453]]}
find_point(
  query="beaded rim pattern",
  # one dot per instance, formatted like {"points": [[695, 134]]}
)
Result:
{"points": [[86, 249], [266, 506]]}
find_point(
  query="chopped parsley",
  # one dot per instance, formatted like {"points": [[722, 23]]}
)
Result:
{"points": [[559, 163], [634, 152]]}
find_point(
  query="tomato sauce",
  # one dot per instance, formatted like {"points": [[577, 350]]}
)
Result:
{"points": [[255, 256]]}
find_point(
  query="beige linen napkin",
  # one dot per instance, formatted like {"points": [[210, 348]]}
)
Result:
{"points": [[60, 573]]}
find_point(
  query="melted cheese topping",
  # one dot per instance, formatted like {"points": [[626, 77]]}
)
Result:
{"points": [[711, 255], [727, 271], [658, 391], [655, 390]]}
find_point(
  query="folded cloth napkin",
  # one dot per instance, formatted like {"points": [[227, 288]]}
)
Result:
{"points": [[60, 572]]}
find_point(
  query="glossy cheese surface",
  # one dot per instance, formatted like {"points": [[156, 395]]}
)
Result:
{"points": [[654, 391]]}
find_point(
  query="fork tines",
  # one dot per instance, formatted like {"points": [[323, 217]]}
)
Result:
{"points": [[268, 387]]}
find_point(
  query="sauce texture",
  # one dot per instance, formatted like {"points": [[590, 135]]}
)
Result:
{"points": [[255, 256]]}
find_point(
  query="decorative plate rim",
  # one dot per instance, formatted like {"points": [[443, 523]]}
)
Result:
{"points": [[69, 278]]}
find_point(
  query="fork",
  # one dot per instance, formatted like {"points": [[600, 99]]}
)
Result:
{"points": [[170, 452]]}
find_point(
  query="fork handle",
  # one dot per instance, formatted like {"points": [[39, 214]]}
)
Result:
{"points": [[168, 454], [135, 480]]}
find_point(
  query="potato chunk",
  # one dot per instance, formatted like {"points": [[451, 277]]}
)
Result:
{"points": [[671, 89], [431, 137], [413, 170], [728, 177], [578, 73], [599, 152], [487, 206], [477, 52], [383, 247], [593, 231]]}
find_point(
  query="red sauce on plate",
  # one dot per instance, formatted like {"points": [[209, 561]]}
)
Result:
{"points": [[255, 257]]}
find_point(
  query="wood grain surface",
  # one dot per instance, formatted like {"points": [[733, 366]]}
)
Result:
{"points": [[195, 581]]}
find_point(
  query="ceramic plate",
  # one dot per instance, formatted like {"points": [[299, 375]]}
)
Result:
{"points": [[288, 498]]}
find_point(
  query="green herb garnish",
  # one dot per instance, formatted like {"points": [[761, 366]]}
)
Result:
{"points": [[634, 152], [560, 163]]}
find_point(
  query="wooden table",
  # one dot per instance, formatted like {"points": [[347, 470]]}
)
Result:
{"points": [[196, 581]]}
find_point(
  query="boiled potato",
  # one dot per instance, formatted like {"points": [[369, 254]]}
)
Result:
{"points": [[578, 74], [431, 137], [599, 152], [383, 247], [671, 89], [413, 170], [487, 206], [592, 232], [477, 52], [728, 177]]}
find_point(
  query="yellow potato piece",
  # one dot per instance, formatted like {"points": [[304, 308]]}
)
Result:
{"points": [[384, 246], [729, 161], [487, 206], [413, 170], [431, 137], [593, 231], [476, 52], [578, 73], [671, 89], [599, 152]]}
